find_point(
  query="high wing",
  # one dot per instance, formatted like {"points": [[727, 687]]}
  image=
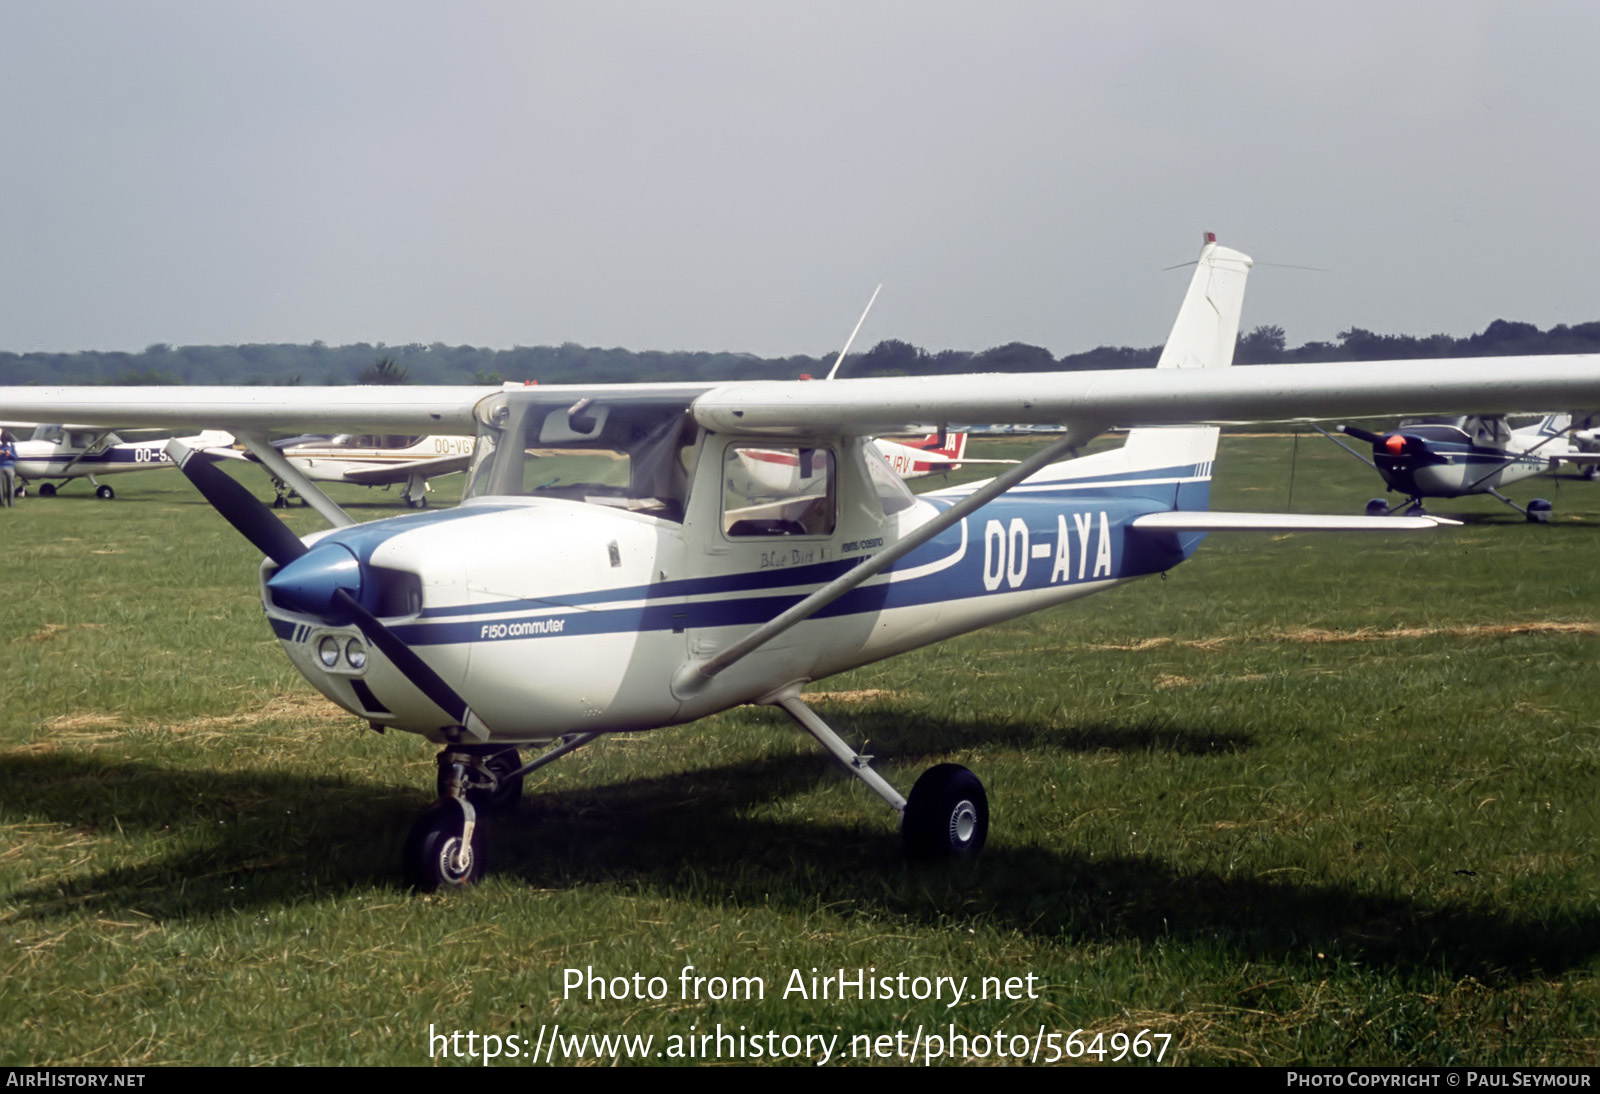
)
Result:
{"points": [[1089, 401], [1131, 397]]}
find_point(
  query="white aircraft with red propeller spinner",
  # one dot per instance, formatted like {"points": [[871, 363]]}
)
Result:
{"points": [[1467, 454], [601, 575]]}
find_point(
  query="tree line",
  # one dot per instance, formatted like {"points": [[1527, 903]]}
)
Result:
{"points": [[363, 362]]}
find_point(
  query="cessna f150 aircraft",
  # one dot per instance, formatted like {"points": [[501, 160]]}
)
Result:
{"points": [[60, 453], [605, 573], [1453, 457]]}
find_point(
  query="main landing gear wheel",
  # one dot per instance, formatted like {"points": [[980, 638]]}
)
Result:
{"points": [[504, 794], [280, 502], [1592, 471], [47, 489], [416, 503], [1538, 511], [104, 493], [947, 815], [1415, 509], [437, 855]]}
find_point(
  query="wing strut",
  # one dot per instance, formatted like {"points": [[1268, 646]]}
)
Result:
{"points": [[694, 675], [279, 465]]}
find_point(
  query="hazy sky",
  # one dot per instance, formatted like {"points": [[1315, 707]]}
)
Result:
{"points": [[739, 175]]}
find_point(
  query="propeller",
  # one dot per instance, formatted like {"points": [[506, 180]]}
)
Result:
{"points": [[414, 668], [254, 521], [1361, 434], [321, 586]]}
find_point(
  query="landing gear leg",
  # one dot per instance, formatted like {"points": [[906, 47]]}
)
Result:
{"points": [[1537, 512], [445, 848], [947, 815]]}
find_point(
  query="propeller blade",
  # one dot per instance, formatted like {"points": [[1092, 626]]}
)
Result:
{"points": [[1360, 434], [415, 669], [238, 506]]}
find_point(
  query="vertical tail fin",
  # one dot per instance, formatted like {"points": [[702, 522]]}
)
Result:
{"points": [[1203, 336]]}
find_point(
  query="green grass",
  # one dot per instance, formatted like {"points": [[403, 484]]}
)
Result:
{"points": [[1314, 799]]}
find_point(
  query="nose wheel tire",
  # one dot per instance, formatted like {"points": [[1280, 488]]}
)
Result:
{"points": [[437, 855], [947, 815], [104, 493]]}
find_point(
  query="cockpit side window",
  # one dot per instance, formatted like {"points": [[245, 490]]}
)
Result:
{"points": [[893, 493], [787, 491]]}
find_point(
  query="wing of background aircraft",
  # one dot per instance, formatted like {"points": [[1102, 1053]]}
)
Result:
{"points": [[402, 472]]}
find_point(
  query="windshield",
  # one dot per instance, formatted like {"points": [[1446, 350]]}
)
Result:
{"points": [[631, 453]]}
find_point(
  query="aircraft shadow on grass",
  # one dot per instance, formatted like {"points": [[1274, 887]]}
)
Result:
{"points": [[269, 840]]}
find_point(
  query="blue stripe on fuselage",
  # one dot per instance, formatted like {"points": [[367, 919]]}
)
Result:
{"points": [[1013, 544]]}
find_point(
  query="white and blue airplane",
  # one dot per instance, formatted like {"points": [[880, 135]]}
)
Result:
{"points": [[57, 454], [1454, 457], [606, 573]]}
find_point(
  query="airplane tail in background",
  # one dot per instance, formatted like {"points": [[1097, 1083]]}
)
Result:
{"points": [[1551, 425], [915, 459]]}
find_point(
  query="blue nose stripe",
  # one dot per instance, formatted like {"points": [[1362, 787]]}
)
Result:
{"points": [[308, 583]]}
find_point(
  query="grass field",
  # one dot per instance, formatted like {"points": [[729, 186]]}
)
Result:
{"points": [[1314, 799]]}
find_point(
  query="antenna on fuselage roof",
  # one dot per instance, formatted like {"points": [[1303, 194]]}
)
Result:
{"points": [[851, 340]]}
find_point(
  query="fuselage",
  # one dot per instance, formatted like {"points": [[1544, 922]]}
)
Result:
{"points": [[56, 453], [345, 457], [554, 614], [67, 452], [1470, 456]]}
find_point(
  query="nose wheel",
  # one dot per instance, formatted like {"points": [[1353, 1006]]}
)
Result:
{"points": [[446, 845], [444, 850]]}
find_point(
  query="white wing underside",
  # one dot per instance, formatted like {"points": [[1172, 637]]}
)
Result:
{"points": [[1190, 521], [1087, 401]]}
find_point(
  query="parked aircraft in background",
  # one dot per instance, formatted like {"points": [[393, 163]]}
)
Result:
{"points": [[370, 460], [1586, 438], [1453, 457], [55, 454], [606, 572]]}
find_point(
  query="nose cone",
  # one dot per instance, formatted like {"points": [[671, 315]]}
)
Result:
{"points": [[1395, 443], [308, 583]]}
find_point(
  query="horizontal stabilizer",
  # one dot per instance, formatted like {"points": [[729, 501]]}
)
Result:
{"points": [[1200, 521]]}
